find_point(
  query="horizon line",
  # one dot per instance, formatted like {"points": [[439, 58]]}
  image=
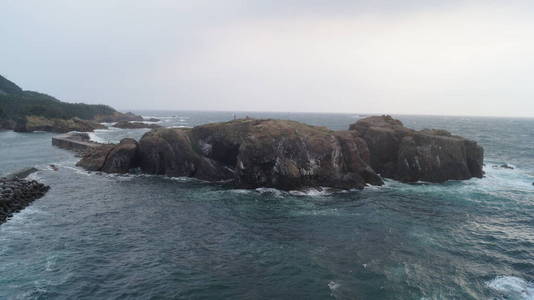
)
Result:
{"points": [[326, 112]]}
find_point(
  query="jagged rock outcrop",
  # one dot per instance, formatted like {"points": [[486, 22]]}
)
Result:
{"points": [[407, 155], [252, 153], [112, 158], [134, 125], [286, 154], [291, 155], [36, 123]]}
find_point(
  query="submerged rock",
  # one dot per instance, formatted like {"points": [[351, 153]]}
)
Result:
{"points": [[407, 155], [291, 155]]}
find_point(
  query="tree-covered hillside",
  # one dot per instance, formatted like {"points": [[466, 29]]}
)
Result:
{"points": [[16, 104], [35, 104], [8, 87]]}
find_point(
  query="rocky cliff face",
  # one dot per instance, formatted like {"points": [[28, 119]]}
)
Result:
{"points": [[407, 155], [252, 153], [291, 155], [112, 158], [286, 154]]}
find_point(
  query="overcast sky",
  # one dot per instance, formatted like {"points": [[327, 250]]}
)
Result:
{"points": [[408, 57]]}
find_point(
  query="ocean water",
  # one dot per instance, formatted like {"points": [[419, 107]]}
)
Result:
{"points": [[102, 236]]}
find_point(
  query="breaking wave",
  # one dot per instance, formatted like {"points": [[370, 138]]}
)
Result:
{"points": [[511, 287]]}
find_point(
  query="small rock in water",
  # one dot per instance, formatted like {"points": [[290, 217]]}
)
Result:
{"points": [[507, 166]]}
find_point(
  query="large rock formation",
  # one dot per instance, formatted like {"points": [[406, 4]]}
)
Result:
{"points": [[252, 153], [291, 155], [111, 158], [407, 155]]}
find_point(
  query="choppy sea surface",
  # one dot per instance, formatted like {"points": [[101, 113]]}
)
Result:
{"points": [[101, 236]]}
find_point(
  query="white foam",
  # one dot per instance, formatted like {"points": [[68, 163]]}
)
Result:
{"points": [[95, 138], [35, 176], [50, 263], [78, 170], [275, 192], [332, 285], [313, 192], [512, 287], [240, 191]]}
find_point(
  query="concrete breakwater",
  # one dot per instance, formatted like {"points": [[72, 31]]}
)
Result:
{"points": [[17, 193], [75, 141]]}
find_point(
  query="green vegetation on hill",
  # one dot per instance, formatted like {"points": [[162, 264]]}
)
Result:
{"points": [[16, 104], [8, 87]]}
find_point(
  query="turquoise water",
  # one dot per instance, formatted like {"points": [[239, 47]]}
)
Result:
{"points": [[101, 236]]}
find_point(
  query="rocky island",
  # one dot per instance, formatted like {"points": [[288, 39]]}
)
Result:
{"points": [[289, 155]]}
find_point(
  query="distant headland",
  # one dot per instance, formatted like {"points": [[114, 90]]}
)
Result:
{"points": [[27, 111]]}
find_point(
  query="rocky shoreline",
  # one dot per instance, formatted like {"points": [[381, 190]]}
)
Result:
{"points": [[135, 125], [17, 193], [289, 155]]}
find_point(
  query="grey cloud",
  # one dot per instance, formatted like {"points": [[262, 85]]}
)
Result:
{"points": [[360, 56]]}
